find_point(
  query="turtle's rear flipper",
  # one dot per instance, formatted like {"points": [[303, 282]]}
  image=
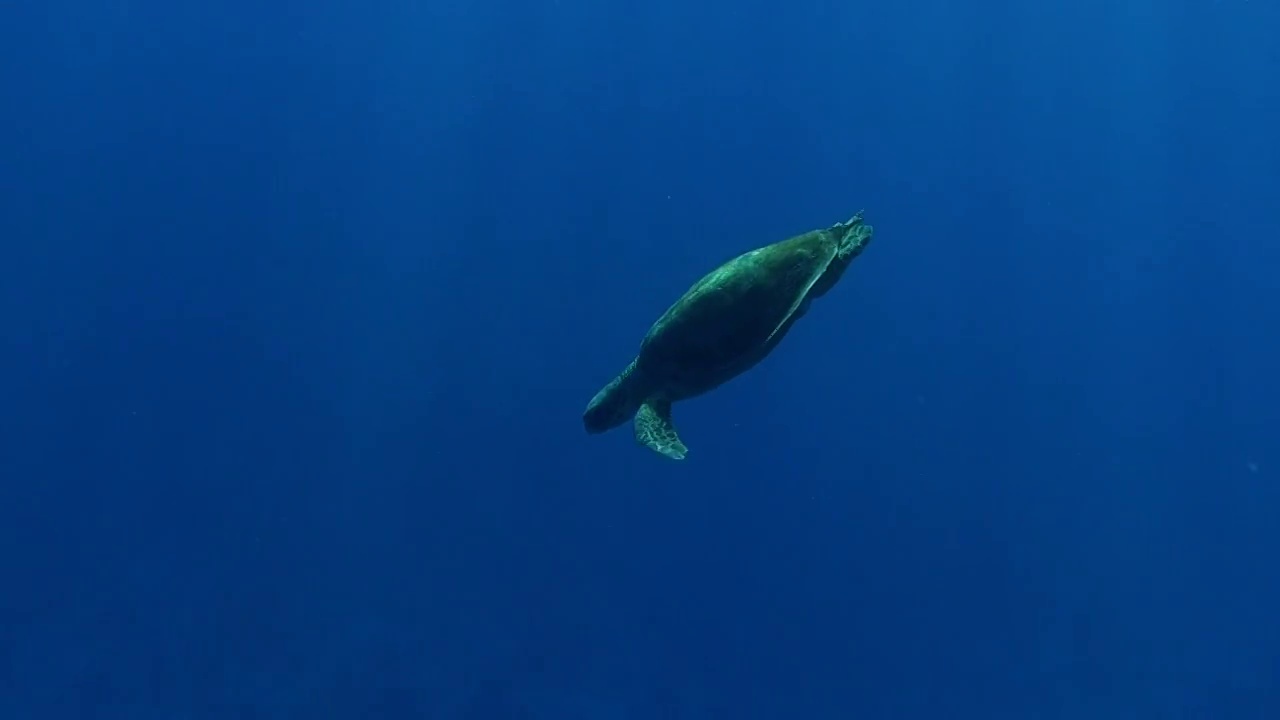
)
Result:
{"points": [[655, 431]]}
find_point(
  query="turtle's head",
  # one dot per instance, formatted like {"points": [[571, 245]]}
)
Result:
{"points": [[851, 237], [615, 404]]}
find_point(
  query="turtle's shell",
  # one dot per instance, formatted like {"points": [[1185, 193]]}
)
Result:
{"points": [[733, 316]]}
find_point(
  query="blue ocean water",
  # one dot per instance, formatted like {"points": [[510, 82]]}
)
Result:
{"points": [[303, 303]]}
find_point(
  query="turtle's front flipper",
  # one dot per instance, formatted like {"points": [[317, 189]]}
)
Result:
{"points": [[655, 431]]}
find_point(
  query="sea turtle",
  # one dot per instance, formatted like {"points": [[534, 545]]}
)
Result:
{"points": [[725, 324]]}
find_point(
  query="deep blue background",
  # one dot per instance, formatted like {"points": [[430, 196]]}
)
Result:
{"points": [[302, 302]]}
